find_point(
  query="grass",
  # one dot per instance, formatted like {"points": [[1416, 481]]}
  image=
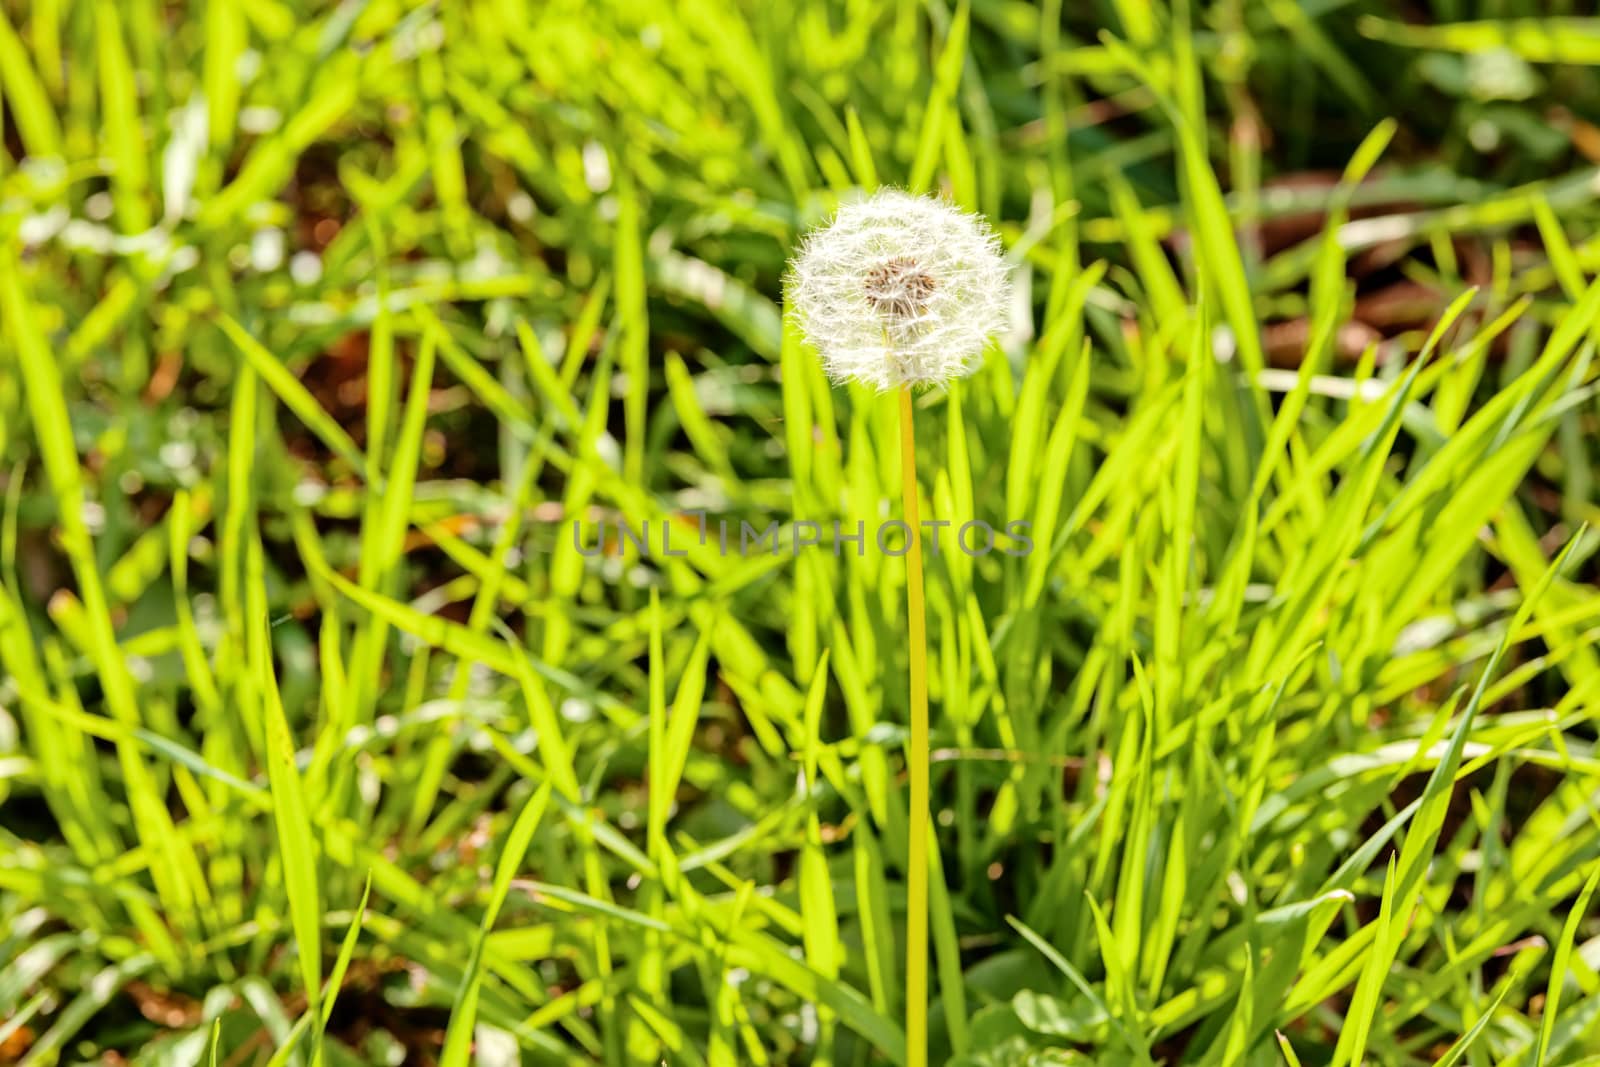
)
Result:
{"points": [[323, 738]]}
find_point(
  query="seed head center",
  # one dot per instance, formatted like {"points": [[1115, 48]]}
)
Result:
{"points": [[899, 289]]}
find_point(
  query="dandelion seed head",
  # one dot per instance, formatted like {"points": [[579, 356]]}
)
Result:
{"points": [[900, 289]]}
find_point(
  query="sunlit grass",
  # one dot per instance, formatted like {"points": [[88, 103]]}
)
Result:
{"points": [[322, 738]]}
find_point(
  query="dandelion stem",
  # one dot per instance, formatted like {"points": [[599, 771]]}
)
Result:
{"points": [[917, 756]]}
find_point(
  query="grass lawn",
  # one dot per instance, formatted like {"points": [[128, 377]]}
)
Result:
{"points": [[445, 609]]}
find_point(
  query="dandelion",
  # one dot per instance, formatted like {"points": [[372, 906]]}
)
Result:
{"points": [[901, 291]]}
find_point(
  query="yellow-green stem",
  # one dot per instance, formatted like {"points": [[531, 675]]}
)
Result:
{"points": [[916, 756]]}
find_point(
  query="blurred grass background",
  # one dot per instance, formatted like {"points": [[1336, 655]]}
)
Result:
{"points": [[320, 741]]}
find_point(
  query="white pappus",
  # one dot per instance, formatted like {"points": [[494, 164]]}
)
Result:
{"points": [[899, 290]]}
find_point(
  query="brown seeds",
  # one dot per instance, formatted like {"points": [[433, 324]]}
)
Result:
{"points": [[899, 288]]}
